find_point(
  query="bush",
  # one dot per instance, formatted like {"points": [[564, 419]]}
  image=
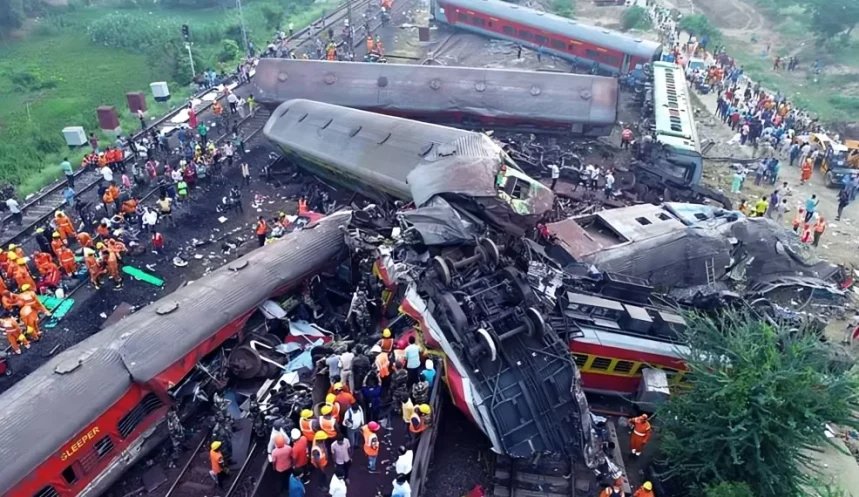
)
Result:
{"points": [[229, 51], [273, 15], [133, 33], [564, 8], [635, 17], [728, 489], [845, 102], [700, 26]]}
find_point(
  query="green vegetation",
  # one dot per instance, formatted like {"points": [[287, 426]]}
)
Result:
{"points": [[728, 489], [77, 58], [758, 397], [699, 26], [564, 8], [635, 17]]}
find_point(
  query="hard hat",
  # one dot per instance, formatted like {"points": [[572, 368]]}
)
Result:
{"points": [[306, 413], [216, 445], [279, 441], [25, 287], [647, 485], [56, 235], [38, 230], [12, 246], [320, 435], [330, 398], [21, 338], [326, 410], [30, 329], [12, 256], [21, 261], [373, 426], [386, 333], [338, 386], [295, 434], [424, 408], [89, 251], [99, 245]]}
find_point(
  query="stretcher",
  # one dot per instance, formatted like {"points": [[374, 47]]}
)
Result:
{"points": [[141, 275], [58, 308]]}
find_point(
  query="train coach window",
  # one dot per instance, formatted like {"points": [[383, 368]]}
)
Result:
{"points": [[557, 44], [581, 360], [48, 491], [462, 17], [129, 422], [540, 39], [526, 35], [69, 475], [477, 21], [611, 60], [509, 31], [92, 455], [592, 54], [624, 367], [601, 363]]}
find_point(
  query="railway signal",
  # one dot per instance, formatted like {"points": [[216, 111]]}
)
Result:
{"points": [[186, 32]]}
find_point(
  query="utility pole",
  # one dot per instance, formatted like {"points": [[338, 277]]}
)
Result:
{"points": [[191, 59], [244, 31]]}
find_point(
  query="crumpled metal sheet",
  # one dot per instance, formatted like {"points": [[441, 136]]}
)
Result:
{"points": [[440, 224]]}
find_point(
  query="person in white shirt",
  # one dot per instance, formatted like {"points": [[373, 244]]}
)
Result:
{"points": [[556, 173], [233, 100], [337, 487], [353, 420], [346, 359], [276, 430], [15, 210], [609, 184], [401, 487], [150, 219], [404, 461], [107, 174]]}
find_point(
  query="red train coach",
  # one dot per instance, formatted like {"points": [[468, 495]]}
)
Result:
{"points": [[467, 97], [613, 52], [73, 426]]}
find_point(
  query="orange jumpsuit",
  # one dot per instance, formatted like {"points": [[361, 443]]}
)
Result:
{"points": [[13, 331], [23, 277], [30, 319], [302, 206], [95, 270], [113, 266], [57, 244], [9, 300], [64, 226], [84, 239], [29, 298], [129, 206], [370, 44], [806, 170], [42, 261], [640, 433], [67, 261], [3, 287], [11, 268]]}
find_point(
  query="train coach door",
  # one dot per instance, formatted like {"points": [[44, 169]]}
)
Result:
{"points": [[625, 68]]}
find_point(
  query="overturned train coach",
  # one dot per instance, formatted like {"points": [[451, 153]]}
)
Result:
{"points": [[457, 96], [388, 157], [73, 426]]}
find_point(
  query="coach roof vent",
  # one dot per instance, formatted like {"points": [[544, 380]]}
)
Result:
{"points": [[240, 264], [167, 308]]}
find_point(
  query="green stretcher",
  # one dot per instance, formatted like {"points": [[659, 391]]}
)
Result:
{"points": [[141, 275], [58, 308]]}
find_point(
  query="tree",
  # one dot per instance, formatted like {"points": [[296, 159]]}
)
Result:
{"points": [[635, 17], [757, 397], [728, 489], [11, 15], [273, 15], [830, 18]]}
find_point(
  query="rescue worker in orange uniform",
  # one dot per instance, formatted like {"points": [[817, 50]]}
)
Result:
{"points": [[107, 199], [216, 461], [387, 341], [3, 287], [42, 259], [50, 278], [64, 225], [615, 490], [419, 422], [67, 261], [308, 425], [11, 265], [84, 239], [28, 297], [94, 267], [9, 301], [114, 251], [23, 276], [371, 444], [260, 231], [646, 490], [379, 47], [319, 456], [819, 227], [640, 434], [18, 251], [30, 320], [302, 205], [331, 400], [57, 243], [327, 421], [798, 219], [13, 334], [331, 53], [343, 398], [370, 44]]}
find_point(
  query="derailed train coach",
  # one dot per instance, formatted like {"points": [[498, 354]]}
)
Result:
{"points": [[77, 423], [472, 98], [387, 157]]}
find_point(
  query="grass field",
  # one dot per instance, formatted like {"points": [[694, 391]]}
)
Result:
{"points": [[55, 76]]}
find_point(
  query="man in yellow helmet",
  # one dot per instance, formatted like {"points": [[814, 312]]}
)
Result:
{"points": [[645, 490], [319, 456], [327, 421], [218, 471], [387, 341], [308, 425], [419, 422]]}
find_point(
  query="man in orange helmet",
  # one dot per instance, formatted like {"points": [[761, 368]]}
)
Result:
{"points": [[9, 300], [67, 261], [84, 239], [42, 259], [57, 243], [30, 319], [23, 276], [13, 333], [64, 225], [94, 267], [641, 432], [28, 297]]}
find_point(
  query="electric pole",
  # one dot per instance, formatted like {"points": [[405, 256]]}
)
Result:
{"points": [[186, 33], [244, 31]]}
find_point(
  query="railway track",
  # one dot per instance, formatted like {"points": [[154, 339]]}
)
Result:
{"points": [[38, 210], [194, 479], [517, 478]]}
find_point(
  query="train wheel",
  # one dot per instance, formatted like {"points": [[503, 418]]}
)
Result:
{"points": [[245, 362], [518, 290], [442, 269], [488, 344], [491, 250], [538, 324], [453, 313]]}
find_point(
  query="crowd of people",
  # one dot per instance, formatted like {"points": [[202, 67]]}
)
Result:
{"points": [[370, 389]]}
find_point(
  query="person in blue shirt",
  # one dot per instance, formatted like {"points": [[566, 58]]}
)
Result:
{"points": [[429, 372], [810, 207], [296, 488]]}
